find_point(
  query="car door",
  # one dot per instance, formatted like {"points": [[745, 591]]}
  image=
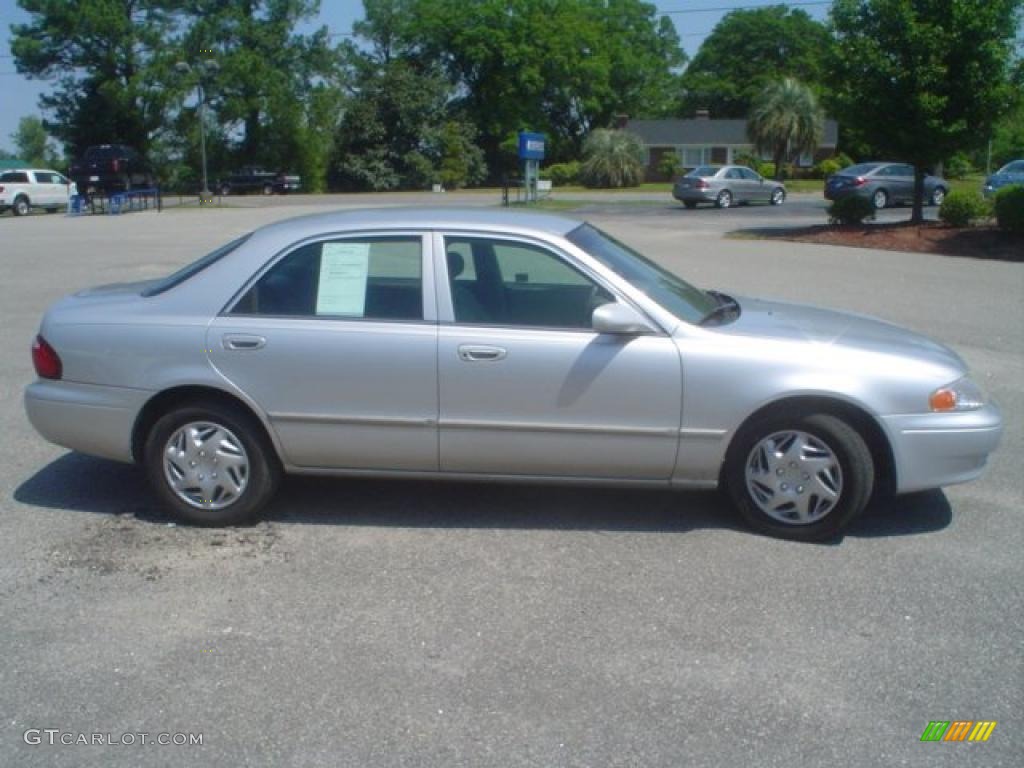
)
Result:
{"points": [[903, 182], [527, 387], [759, 190], [38, 188], [337, 343], [738, 185]]}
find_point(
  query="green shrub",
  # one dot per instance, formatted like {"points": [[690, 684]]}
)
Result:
{"points": [[961, 207], [766, 169], [958, 167], [851, 210], [828, 166], [562, 174], [612, 159], [669, 165], [1009, 207], [748, 159]]}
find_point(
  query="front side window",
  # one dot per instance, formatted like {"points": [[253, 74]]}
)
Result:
{"points": [[749, 174], [500, 282], [372, 278]]}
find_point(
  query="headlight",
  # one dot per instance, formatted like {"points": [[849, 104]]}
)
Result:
{"points": [[961, 395]]}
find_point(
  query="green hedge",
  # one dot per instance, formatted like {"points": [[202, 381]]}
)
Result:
{"points": [[1009, 207], [562, 174], [851, 210], [962, 207]]}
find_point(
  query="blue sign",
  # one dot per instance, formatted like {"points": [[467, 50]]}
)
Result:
{"points": [[531, 146]]}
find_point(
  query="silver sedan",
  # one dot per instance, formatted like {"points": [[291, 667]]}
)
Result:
{"points": [[499, 346], [725, 186]]}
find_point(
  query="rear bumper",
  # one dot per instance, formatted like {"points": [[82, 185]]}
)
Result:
{"points": [[694, 195], [96, 420], [937, 449]]}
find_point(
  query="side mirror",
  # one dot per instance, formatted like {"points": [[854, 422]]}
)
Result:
{"points": [[619, 319]]}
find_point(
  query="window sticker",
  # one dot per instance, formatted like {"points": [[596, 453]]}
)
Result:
{"points": [[343, 271]]}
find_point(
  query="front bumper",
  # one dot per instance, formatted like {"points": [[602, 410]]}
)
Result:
{"points": [[92, 419], [937, 449]]}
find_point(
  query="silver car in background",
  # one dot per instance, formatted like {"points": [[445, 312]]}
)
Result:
{"points": [[1010, 174], [498, 346], [727, 185], [884, 184]]}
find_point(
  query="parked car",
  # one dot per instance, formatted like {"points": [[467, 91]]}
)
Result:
{"points": [[109, 168], [253, 179], [884, 184], [1009, 174], [726, 185], [24, 189], [507, 346]]}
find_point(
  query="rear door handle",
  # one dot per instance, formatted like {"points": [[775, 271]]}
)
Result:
{"points": [[240, 342], [474, 354]]}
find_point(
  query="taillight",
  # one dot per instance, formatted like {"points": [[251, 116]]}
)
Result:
{"points": [[1, 187], [860, 181], [117, 166], [46, 360], [701, 184]]}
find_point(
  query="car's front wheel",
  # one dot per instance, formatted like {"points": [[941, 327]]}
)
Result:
{"points": [[938, 195], [778, 196], [799, 477], [211, 464]]}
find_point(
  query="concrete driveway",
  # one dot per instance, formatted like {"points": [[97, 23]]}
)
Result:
{"points": [[417, 624]]}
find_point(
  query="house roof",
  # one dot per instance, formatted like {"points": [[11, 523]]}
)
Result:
{"points": [[658, 133], [14, 163]]}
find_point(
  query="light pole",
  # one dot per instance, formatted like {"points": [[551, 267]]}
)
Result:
{"points": [[205, 67]]}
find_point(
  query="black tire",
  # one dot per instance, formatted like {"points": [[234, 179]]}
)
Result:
{"points": [[52, 210], [879, 199], [264, 471], [778, 196], [850, 451], [724, 199], [691, 204], [938, 195], [21, 206], [225, 190]]}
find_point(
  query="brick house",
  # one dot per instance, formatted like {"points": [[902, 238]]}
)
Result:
{"points": [[702, 141]]}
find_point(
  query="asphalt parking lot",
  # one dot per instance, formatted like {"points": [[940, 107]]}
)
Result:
{"points": [[372, 623]]}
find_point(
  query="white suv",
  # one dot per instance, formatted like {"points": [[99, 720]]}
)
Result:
{"points": [[24, 189]]}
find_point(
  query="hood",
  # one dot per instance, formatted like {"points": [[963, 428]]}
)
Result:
{"points": [[798, 322]]}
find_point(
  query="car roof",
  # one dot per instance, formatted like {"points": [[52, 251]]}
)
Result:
{"points": [[488, 219]]}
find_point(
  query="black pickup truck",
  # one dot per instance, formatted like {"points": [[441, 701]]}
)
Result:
{"points": [[253, 179], [109, 168]]}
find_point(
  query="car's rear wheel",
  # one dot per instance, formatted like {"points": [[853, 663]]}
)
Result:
{"points": [[799, 477], [938, 195], [211, 464], [880, 199], [268, 189], [691, 204], [778, 196], [724, 199], [21, 206]]}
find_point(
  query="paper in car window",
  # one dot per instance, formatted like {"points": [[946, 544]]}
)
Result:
{"points": [[343, 271]]}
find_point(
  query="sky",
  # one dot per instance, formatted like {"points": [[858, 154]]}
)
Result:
{"points": [[19, 96]]}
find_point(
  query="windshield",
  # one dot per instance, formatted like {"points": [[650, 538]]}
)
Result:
{"points": [[704, 171], [674, 294], [1017, 166], [195, 267]]}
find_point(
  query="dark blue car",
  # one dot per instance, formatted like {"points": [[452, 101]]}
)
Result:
{"points": [[1011, 173]]}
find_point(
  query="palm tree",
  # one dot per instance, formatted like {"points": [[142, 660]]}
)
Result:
{"points": [[612, 159], [786, 120]]}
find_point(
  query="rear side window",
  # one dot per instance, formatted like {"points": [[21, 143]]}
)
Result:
{"points": [[14, 177], [375, 278], [194, 268]]}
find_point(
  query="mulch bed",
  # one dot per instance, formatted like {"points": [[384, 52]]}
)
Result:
{"points": [[930, 237]]}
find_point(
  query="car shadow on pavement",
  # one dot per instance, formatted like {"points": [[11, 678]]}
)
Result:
{"points": [[83, 483]]}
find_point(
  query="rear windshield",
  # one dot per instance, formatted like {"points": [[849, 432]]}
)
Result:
{"points": [[860, 170], [704, 170], [194, 268]]}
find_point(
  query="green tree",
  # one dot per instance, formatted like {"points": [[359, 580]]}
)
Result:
{"points": [[922, 79], [612, 159], [785, 119], [562, 67], [748, 49], [106, 57], [33, 144], [274, 95]]}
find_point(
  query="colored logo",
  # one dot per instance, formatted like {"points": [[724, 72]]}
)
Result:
{"points": [[958, 730]]}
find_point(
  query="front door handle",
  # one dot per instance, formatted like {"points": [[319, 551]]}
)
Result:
{"points": [[475, 354], [241, 342]]}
